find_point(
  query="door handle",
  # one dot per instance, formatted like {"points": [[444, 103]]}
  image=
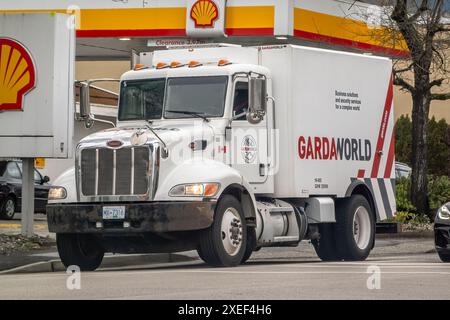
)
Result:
{"points": [[262, 169]]}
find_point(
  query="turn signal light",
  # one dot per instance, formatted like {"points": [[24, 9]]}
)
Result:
{"points": [[162, 65], [195, 190], [223, 62]]}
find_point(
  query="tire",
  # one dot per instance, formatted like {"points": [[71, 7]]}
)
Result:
{"points": [[251, 244], [355, 228], [445, 257], [216, 243], [82, 250], [325, 246], [8, 209]]}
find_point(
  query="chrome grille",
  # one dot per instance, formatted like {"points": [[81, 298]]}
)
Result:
{"points": [[109, 172]]}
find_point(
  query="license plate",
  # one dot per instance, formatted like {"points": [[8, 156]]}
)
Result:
{"points": [[114, 213]]}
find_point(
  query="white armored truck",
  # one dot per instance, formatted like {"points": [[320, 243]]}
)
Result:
{"points": [[227, 150]]}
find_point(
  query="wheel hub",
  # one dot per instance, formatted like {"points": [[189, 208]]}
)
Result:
{"points": [[231, 231], [361, 227], [9, 207]]}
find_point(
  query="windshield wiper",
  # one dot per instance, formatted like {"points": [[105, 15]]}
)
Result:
{"points": [[192, 113]]}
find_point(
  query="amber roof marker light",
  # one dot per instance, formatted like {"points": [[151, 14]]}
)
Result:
{"points": [[193, 64], [223, 62], [162, 65]]}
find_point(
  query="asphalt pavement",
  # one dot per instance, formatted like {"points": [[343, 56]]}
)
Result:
{"points": [[397, 277], [398, 268]]}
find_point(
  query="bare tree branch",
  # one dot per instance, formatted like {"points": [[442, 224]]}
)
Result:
{"points": [[408, 68], [440, 96], [423, 8], [402, 83], [437, 82]]}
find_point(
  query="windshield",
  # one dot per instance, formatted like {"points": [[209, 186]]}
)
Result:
{"points": [[141, 99], [201, 95]]}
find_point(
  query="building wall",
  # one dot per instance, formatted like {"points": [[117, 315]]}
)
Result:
{"points": [[101, 69], [54, 167], [403, 106]]}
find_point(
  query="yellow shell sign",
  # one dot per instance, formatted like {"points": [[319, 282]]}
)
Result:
{"points": [[17, 74], [204, 13]]}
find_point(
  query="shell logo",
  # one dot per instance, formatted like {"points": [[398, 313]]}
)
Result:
{"points": [[17, 74], [204, 13]]}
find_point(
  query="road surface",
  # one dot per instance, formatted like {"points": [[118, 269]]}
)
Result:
{"points": [[273, 274]]}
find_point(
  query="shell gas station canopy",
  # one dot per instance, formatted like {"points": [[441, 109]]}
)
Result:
{"points": [[110, 29]]}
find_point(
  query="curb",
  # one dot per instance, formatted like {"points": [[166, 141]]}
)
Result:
{"points": [[107, 263], [407, 235]]}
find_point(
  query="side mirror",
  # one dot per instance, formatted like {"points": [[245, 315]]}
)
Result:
{"points": [[85, 100], [45, 179], [257, 100]]}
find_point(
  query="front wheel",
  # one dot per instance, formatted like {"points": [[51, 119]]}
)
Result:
{"points": [[82, 250], [355, 228], [224, 243], [9, 209], [251, 244]]}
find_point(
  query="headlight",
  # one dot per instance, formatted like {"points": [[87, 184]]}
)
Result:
{"points": [[444, 213], [57, 193], [195, 190]]}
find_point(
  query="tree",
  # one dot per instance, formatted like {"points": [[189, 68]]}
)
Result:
{"points": [[421, 26], [424, 34]]}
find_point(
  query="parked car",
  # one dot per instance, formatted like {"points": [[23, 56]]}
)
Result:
{"points": [[402, 170], [442, 232], [11, 189]]}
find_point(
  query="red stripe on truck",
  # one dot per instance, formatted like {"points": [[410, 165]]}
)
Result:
{"points": [[361, 173], [391, 155], [382, 132]]}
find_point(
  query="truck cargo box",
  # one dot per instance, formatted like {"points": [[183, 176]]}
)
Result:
{"points": [[335, 119]]}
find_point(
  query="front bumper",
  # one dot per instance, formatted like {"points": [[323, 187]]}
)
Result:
{"points": [[442, 237], [142, 217]]}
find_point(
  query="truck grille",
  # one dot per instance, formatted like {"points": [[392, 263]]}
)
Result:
{"points": [[108, 172]]}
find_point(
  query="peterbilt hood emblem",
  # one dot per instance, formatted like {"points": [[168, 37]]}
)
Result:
{"points": [[115, 144]]}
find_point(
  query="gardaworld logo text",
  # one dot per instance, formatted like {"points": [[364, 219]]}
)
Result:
{"points": [[323, 148]]}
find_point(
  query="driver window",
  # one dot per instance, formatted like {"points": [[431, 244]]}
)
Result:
{"points": [[240, 101]]}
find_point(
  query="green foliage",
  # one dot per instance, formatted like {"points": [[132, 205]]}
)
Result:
{"points": [[403, 139], [438, 192], [438, 147], [438, 141], [438, 195], [402, 191], [411, 218]]}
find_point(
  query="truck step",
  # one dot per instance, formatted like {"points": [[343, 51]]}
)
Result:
{"points": [[281, 209], [286, 239]]}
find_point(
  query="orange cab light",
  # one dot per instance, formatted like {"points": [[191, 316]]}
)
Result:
{"points": [[193, 64], [176, 64], [162, 65], [223, 62], [139, 66]]}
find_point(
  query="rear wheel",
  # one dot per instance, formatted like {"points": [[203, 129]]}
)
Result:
{"points": [[8, 209], [325, 246], [445, 257], [224, 243], [355, 228], [82, 250]]}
